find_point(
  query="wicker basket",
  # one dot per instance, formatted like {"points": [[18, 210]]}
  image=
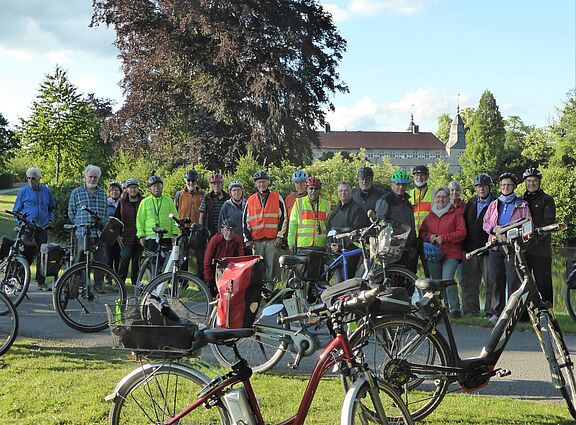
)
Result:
{"points": [[388, 246], [139, 327]]}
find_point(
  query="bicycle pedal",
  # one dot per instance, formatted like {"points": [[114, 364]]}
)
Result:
{"points": [[501, 373]]}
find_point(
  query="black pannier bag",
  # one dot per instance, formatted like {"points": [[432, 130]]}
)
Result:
{"points": [[394, 299], [51, 256], [199, 236], [5, 244], [313, 269], [112, 229]]}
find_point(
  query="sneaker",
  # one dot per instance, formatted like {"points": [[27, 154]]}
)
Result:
{"points": [[44, 287], [493, 318]]}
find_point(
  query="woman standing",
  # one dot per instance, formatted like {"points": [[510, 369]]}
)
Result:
{"points": [[444, 227]]}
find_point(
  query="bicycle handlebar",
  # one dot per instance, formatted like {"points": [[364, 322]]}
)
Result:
{"points": [[93, 213], [23, 218], [180, 222]]}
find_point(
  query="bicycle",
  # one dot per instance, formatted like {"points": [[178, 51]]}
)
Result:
{"points": [[15, 257], [180, 284], [267, 347], [8, 323], [80, 294], [412, 354], [159, 393], [152, 262], [570, 292]]}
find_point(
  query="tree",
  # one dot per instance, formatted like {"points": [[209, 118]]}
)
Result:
{"points": [[537, 147], [443, 132], [62, 134], [8, 142], [439, 174], [514, 143], [564, 133], [210, 81], [485, 141]]}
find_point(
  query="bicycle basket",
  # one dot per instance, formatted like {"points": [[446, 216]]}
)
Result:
{"points": [[5, 244], [153, 328], [388, 246]]}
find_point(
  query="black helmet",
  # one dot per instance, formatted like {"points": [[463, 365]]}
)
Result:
{"points": [[115, 184], [154, 179], [366, 172], [259, 175], [532, 172], [421, 169], [483, 180], [508, 175], [228, 223], [191, 175]]}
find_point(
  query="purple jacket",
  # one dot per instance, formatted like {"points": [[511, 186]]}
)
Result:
{"points": [[491, 217]]}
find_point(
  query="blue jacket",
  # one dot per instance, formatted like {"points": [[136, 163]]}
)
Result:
{"points": [[39, 205]]}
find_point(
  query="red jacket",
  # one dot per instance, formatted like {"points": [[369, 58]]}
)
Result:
{"points": [[451, 228], [218, 248]]}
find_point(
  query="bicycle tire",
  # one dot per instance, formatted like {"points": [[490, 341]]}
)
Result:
{"points": [[83, 309], [263, 350], [15, 279], [145, 275], [570, 296], [561, 366], [358, 407], [154, 393], [8, 323], [382, 340], [191, 290], [398, 276]]}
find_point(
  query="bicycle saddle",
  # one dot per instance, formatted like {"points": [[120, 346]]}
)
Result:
{"points": [[159, 230], [293, 260], [432, 285]]}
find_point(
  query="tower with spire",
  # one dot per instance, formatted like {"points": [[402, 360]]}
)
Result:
{"points": [[456, 145]]}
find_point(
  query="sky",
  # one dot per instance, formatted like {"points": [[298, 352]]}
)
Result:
{"points": [[403, 57]]}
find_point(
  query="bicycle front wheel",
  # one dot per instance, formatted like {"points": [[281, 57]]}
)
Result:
{"points": [[81, 294], [145, 275], [15, 279], [155, 393], [189, 289], [361, 401], [561, 366], [8, 323], [570, 296]]}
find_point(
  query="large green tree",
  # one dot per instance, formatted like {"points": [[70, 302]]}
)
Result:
{"points": [[62, 134], [8, 142], [485, 141], [515, 141], [208, 81], [443, 132]]}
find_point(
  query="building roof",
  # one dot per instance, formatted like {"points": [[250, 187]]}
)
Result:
{"points": [[379, 140], [457, 136]]}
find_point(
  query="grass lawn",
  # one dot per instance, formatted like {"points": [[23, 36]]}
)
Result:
{"points": [[54, 385]]}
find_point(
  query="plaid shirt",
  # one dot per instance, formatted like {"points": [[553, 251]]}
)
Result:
{"points": [[96, 201]]}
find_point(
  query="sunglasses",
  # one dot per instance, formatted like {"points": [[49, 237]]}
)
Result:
{"points": [[30, 178], [188, 180]]}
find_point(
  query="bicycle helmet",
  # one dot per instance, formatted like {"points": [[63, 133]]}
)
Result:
{"points": [[154, 179], [508, 175], [216, 178], [432, 253], [191, 175], [400, 176], [313, 181], [115, 184], [532, 172], [234, 184], [299, 176], [260, 175], [421, 169], [228, 224], [366, 172], [132, 182], [483, 180]]}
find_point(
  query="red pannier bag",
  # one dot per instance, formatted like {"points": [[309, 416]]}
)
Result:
{"points": [[240, 291]]}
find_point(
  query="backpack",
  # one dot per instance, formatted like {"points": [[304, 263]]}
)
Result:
{"points": [[240, 291]]}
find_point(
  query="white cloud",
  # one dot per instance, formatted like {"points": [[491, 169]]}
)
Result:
{"points": [[87, 83], [353, 9]]}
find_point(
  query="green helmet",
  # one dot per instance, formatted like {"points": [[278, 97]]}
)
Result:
{"points": [[400, 176]]}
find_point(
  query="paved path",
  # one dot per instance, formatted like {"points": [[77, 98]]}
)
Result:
{"points": [[530, 377]]}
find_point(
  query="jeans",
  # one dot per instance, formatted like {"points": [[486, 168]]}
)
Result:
{"points": [[474, 271], [130, 254], [503, 277], [446, 270]]}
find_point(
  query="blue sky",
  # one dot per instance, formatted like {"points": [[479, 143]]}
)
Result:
{"points": [[403, 56]]}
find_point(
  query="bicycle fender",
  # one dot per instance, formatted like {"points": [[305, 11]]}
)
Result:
{"points": [[346, 417]]}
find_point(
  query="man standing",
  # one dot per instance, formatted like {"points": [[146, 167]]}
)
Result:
{"points": [[366, 194], [188, 202], [299, 180], [307, 227], [113, 251], [421, 200], [212, 203], [234, 207], [265, 223], [154, 211], [347, 214], [395, 206], [476, 268], [37, 201], [543, 210], [130, 248]]}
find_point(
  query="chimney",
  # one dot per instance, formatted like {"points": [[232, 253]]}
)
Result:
{"points": [[415, 129], [327, 127]]}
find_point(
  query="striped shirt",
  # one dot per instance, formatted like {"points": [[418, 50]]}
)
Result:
{"points": [[96, 201]]}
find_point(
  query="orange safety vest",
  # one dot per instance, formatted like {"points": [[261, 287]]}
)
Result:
{"points": [[189, 205], [263, 222], [421, 205]]}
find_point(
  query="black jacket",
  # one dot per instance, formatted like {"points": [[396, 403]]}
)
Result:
{"points": [[367, 200], [475, 234], [348, 215], [391, 207], [543, 210]]}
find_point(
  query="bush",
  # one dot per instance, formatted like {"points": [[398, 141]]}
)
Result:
{"points": [[6, 181], [61, 194]]}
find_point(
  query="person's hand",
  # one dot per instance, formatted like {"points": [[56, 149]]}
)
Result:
{"points": [[292, 250], [50, 225], [278, 242], [143, 242], [496, 229], [439, 239]]}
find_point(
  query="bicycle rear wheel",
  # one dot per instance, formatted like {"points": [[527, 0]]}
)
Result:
{"points": [[190, 289], [263, 350], [80, 298], [8, 323], [155, 393], [399, 276], [561, 366], [15, 279]]}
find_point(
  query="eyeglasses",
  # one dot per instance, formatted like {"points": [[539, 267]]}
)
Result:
{"points": [[314, 189], [30, 178]]}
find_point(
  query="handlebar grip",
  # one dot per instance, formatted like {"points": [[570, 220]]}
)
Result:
{"points": [[490, 244], [313, 310], [549, 228]]}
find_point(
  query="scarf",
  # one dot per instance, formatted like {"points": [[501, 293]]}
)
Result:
{"points": [[507, 199], [440, 212]]}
